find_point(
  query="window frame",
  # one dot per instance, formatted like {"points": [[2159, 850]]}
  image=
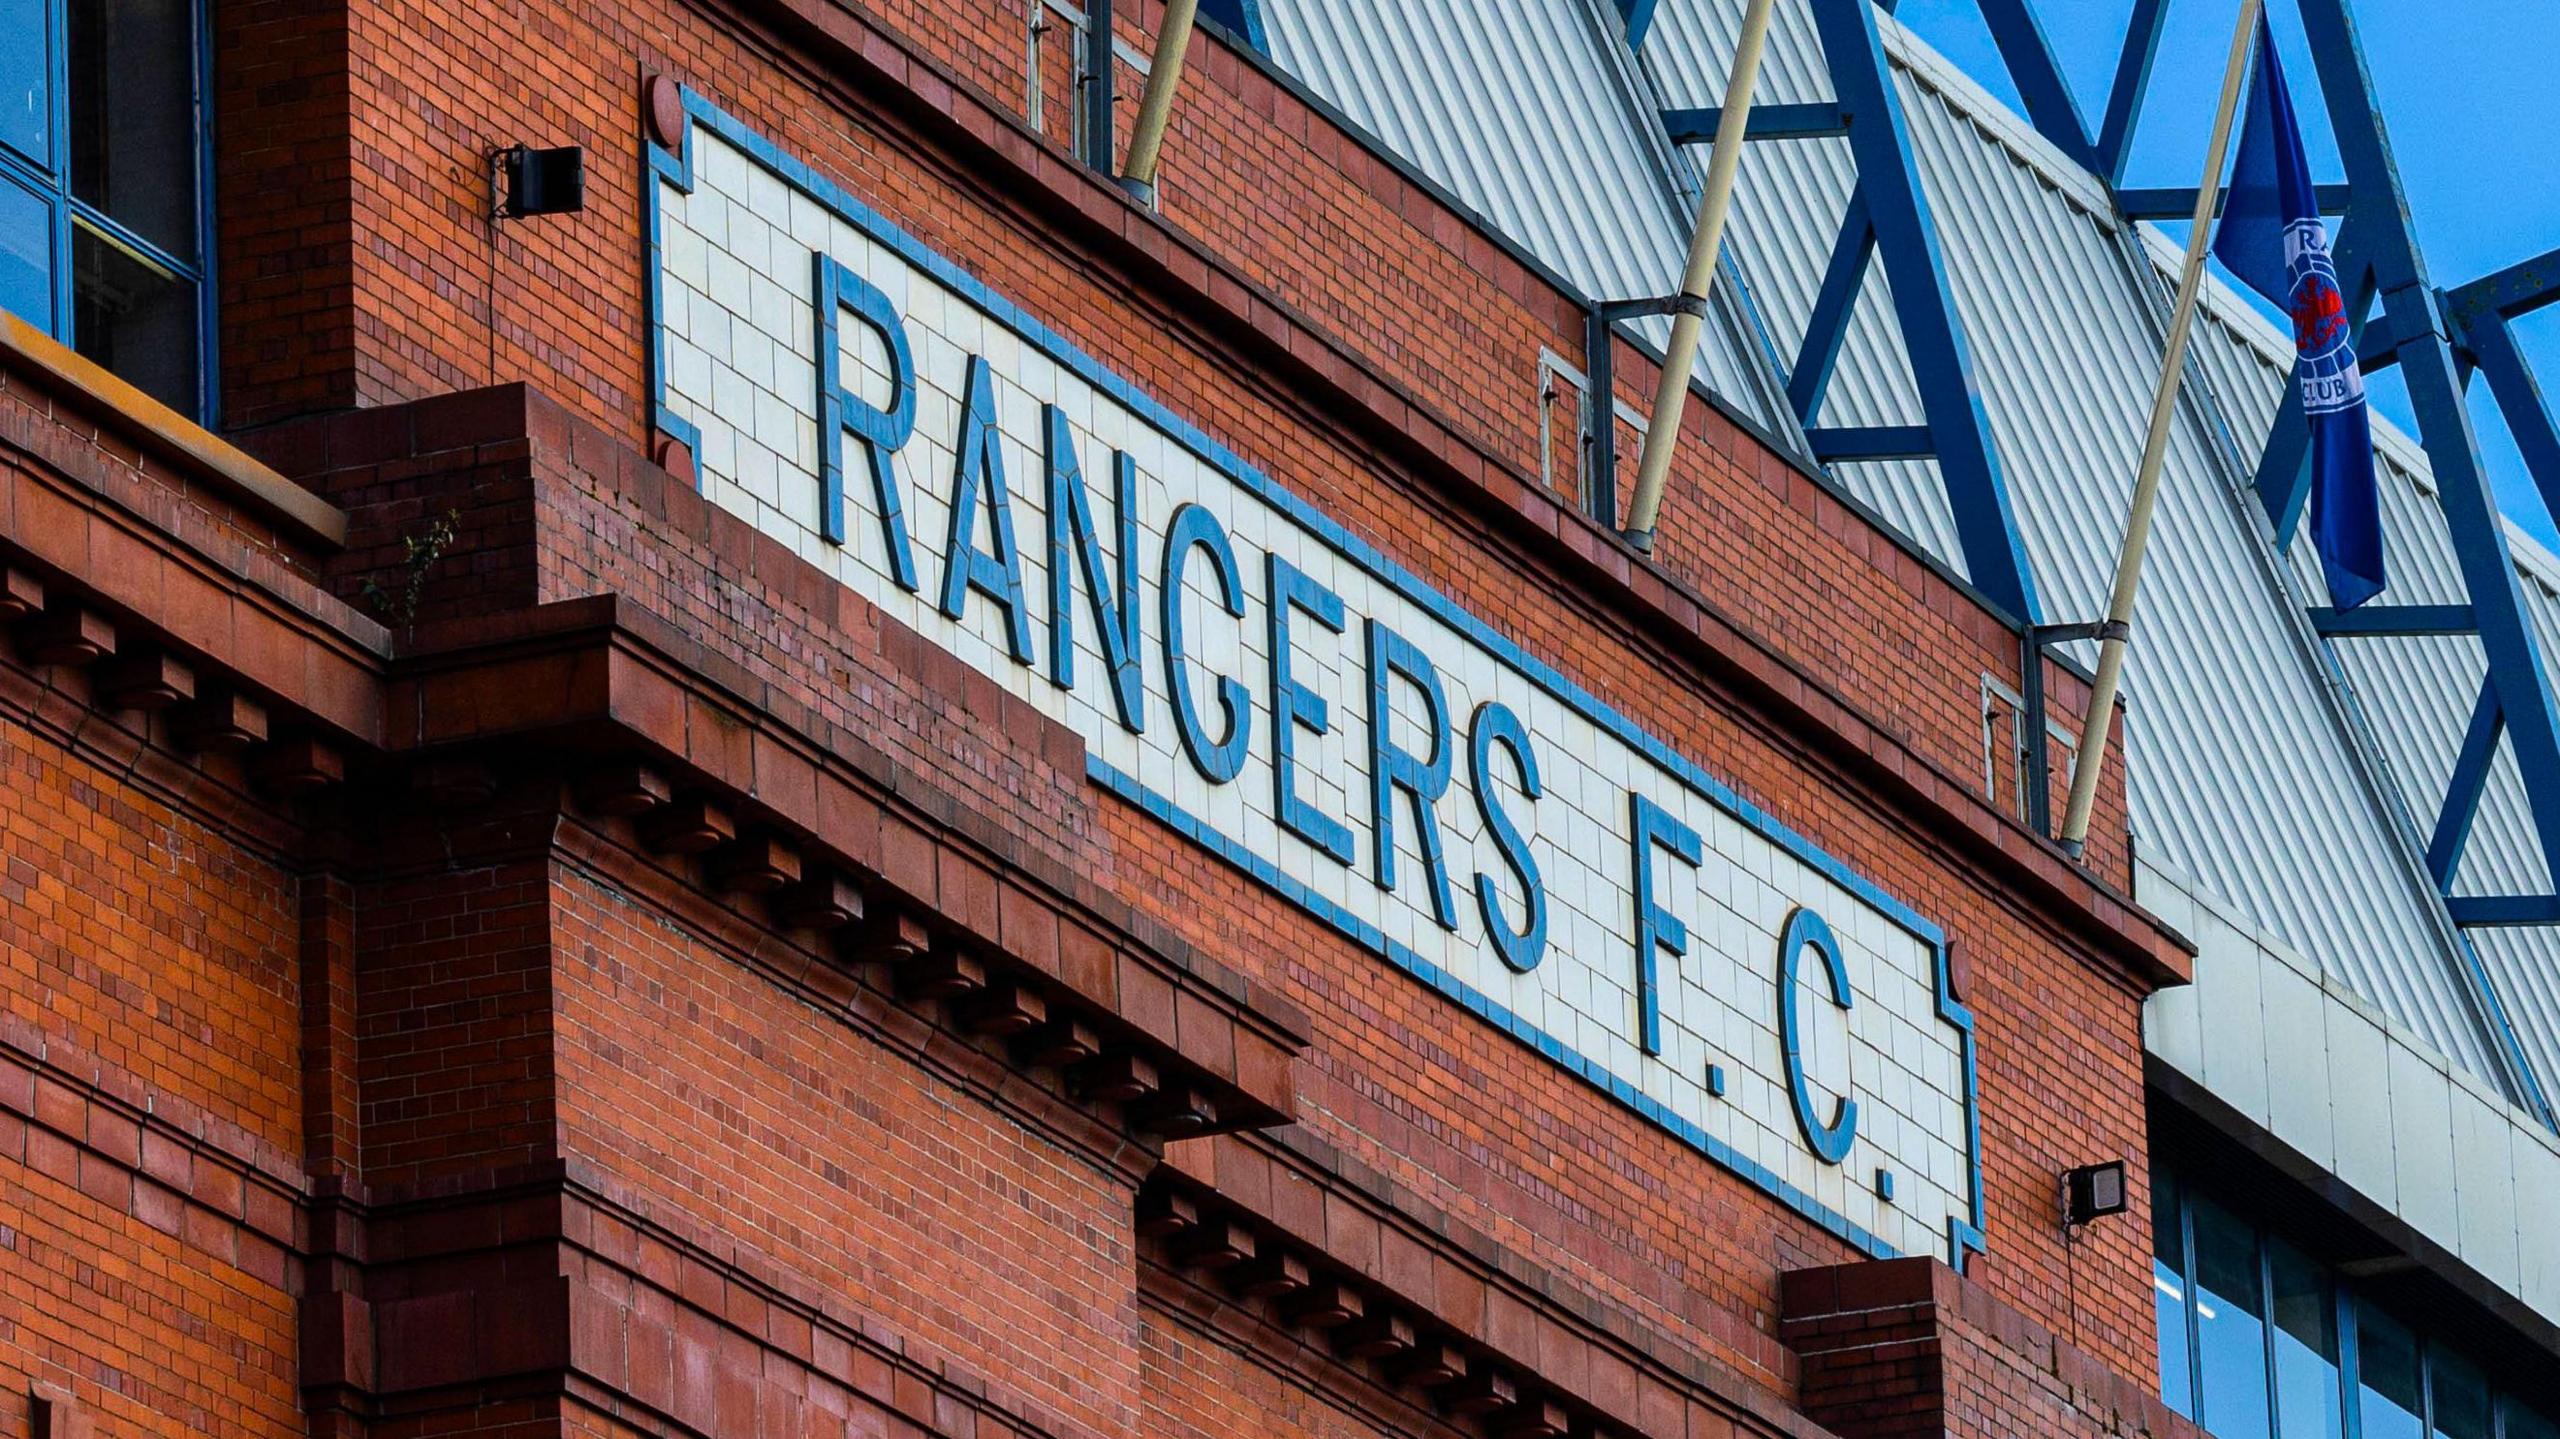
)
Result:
{"points": [[53, 186], [2346, 1299]]}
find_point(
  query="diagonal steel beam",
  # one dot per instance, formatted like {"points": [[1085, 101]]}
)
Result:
{"points": [[2501, 362], [2132, 82], [1828, 328], [2029, 56], [2462, 792], [1932, 336]]}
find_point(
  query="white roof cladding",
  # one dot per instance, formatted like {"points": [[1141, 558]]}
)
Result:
{"points": [[2250, 768]]}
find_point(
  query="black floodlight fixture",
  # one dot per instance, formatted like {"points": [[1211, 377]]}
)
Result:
{"points": [[2094, 1191], [542, 182]]}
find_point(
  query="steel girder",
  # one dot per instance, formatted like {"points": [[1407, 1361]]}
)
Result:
{"points": [[1888, 220]]}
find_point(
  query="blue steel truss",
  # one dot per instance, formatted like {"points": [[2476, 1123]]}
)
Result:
{"points": [[1888, 220], [2439, 339]]}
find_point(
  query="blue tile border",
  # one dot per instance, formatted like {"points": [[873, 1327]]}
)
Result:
{"points": [[1965, 1235]]}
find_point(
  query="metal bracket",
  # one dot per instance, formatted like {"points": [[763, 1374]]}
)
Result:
{"points": [[1599, 401], [2033, 642]]}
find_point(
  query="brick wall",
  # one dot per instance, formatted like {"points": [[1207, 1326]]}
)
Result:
{"points": [[1398, 286], [1565, 1174], [1906, 1349], [433, 1099]]}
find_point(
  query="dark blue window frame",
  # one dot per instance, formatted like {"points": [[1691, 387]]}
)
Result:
{"points": [[48, 179]]}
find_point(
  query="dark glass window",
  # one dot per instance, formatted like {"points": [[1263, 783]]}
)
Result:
{"points": [[133, 117], [132, 314], [2394, 1404], [2169, 1292], [2458, 1396], [102, 214], [2525, 1423], [2231, 1324], [2308, 1405]]}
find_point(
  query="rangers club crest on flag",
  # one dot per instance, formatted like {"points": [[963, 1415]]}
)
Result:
{"points": [[2321, 338], [2272, 238]]}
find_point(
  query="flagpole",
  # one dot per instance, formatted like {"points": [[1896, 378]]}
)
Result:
{"points": [[2091, 760], [1662, 431]]}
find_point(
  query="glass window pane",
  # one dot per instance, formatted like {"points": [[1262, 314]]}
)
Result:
{"points": [[2169, 1293], [133, 106], [2391, 1405], [26, 82], [2524, 1423], [134, 318], [26, 255], [2231, 1325], [2308, 1405], [2460, 1393]]}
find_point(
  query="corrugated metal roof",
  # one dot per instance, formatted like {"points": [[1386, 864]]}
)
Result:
{"points": [[1464, 94], [2416, 694], [2250, 770]]}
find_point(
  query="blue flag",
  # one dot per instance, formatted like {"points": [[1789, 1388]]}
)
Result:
{"points": [[2272, 238]]}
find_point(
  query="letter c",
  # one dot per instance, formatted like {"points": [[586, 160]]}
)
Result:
{"points": [[1829, 1142], [1218, 761]]}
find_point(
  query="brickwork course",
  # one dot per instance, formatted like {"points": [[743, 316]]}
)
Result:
{"points": [[644, 987]]}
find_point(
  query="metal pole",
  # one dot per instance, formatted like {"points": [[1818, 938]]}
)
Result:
{"points": [[1155, 107], [1662, 432], [2118, 627]]}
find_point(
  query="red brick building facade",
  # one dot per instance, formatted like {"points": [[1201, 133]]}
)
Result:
{"points": [[497, 941]]}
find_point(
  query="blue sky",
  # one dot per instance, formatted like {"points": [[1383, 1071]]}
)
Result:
{"points": [[2467, 98]]}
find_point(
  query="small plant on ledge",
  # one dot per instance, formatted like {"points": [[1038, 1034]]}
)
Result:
{"points": [[396, 603]]}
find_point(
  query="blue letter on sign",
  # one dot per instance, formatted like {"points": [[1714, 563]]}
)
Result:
{"points": [[1829, 1142], [1220, 760], [1496, 724], [997, 576], [1115, 612], [882, 431], [1654, 829], [1391, 769], [1295, 707]]}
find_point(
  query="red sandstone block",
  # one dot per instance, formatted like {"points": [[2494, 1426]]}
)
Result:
{"points": [[1088, 965], [17, 1087], [1146, 997], [116, 1137], [1508, 1325], [1205, 1035], [52, 1156], [61, 1109], [107, 1182]]}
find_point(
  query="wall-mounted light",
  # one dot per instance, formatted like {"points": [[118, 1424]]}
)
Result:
{"points": [[542, 182], [2094, 1191]]}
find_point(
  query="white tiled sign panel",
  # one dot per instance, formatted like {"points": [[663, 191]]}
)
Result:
{"points": [[737, 226]]}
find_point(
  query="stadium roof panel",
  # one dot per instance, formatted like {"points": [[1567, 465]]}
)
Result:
{"points": [[2253, 771]]}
